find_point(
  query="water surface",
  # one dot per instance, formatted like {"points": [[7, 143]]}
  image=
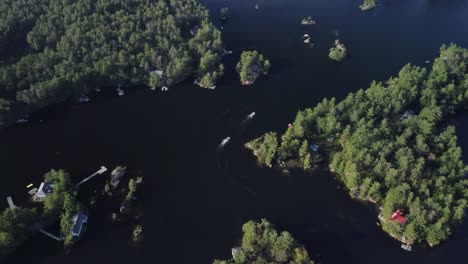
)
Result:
{"points": [[196, 198]]}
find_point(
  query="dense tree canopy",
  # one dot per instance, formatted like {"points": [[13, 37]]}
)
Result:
{"points": [[262, 244], [251, 65], [265, 147], [53, 203], [75, 46], [337, 52], [392, 148], [14, 227]]}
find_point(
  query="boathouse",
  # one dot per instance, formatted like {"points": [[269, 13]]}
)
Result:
{"points": [[79, 220]]}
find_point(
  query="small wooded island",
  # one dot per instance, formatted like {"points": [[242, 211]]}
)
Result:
{"points": [[367, 5], [261, 243], [73, 47], [337, 52], [251, 65], [308, 21], [388, 145]]}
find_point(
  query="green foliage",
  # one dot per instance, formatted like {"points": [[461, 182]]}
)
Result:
{"points": [[251, 65], [70, 207], [61, 202], [261, 243], [14, 227], [53, 202], [132, 188], [265, 148], [367, 4], [79, 45], [338, 52], [398, 160]]}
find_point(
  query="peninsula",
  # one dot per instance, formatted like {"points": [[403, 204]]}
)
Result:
{"points": [[388, 145], [74, 47]]}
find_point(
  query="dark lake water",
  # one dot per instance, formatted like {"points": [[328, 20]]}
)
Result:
{"points": [[196, 199]]}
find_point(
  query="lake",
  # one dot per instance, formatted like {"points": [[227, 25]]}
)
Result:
{"points": [[197, 198]]}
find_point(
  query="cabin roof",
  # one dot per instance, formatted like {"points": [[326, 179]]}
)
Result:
{"points": [[79, 219], [45, 189]]}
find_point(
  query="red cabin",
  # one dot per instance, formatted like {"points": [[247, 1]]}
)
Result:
{"points": [[398, 216]]}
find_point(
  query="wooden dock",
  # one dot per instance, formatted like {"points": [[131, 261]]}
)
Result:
{"points": [[10, 203], [50, 235], [100, 171]]}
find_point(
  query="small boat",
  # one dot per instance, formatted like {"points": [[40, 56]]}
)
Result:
{"points": [[428, 61], [22, 120], [406, 247], [164, 89], [306, 36], [97, 89], [212, 87], [29, 185], [307, 40], [120, 92]]}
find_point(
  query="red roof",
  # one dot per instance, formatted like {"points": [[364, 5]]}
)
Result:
{"points": [[398, 215]]}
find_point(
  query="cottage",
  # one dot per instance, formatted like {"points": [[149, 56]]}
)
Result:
{"points": [[79, 220], [45, 189]]}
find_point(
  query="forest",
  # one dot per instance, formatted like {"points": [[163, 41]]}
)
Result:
{"points": [[391, 146], [53, 51], [261, 243]]}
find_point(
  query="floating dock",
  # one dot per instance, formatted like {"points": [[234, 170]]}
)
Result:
{"points": [[10, 203], [100, 171], [406, 247]]}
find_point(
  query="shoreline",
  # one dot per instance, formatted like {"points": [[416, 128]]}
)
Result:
{"points": [[325, 166]]}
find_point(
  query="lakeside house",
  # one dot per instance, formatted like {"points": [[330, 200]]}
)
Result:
{"points": [[45, 189], [79, 220]]}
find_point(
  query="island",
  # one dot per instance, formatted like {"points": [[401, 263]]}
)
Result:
{"points": [[308, 21], [251, 65], [261, 243], [390, 145], [367, 5], [337, 52], [55, 201], [76, 47]]}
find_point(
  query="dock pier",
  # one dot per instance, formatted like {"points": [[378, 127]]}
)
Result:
{"points": [[100, 171], [10, 203], [50, 235]]}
